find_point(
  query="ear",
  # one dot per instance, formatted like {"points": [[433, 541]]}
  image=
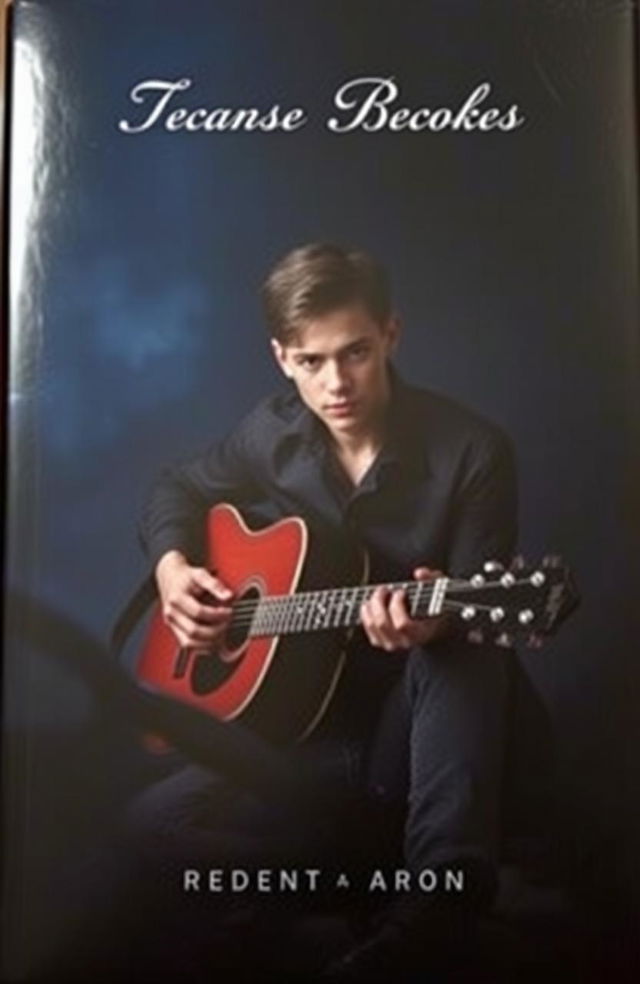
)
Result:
{"points": [[281, 357], [392, 333]]}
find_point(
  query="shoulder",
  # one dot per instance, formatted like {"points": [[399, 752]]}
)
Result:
{"points": [[450, 431], [270, 421], [440, 412]]}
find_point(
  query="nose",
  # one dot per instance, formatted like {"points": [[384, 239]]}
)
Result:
{"points": [[336, 377]]}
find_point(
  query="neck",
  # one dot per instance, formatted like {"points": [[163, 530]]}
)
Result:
{"points": [[355, 445], [357, 452], [366, 441]]}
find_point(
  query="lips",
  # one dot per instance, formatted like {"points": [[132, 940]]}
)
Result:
{"points": [[345, 407]]}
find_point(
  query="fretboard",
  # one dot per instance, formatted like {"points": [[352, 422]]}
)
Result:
{"points": [[333, 608]]}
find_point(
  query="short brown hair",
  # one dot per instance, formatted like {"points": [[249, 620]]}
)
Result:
{"points": [[318, 278]]}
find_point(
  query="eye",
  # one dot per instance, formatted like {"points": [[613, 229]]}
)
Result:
{"points": [[308, 362], [358, 352]]}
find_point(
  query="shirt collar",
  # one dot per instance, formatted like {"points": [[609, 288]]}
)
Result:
{"points": [[402, 446]]}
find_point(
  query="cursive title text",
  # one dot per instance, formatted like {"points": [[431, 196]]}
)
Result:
{"points": [[370, 104]]}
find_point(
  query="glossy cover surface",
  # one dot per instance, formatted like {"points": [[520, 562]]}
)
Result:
{"points": [[146, 204]]}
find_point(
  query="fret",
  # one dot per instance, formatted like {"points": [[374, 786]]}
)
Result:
{"points": [[270, 613], [338, 602], [406, 589], [333, 608], [307, 621], [417, 599], [322, 611], [299, 612], [276, 616], [342, 599], [282, 616], [256, 622], [351, 597], [325, 609]]}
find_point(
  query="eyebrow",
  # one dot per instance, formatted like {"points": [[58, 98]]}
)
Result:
{"points": [[302, 353]]}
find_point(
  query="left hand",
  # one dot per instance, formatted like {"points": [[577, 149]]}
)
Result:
{"points": [[387, 623]]}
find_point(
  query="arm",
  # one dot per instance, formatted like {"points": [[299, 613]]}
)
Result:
{"points": [[195, 603], [485, 515], [484, 527], [174, 515]]}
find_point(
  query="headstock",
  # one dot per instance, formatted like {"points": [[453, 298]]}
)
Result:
{"points": [[521, 602]]}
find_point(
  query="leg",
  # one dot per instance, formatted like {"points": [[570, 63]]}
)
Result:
{"points": [[457, 695], [439, 745]]}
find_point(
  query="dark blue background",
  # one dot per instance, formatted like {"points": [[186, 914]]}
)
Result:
{"points": [[512, 258]]}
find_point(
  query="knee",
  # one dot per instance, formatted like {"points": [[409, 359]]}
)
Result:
{"points": [[459, 667], [425, 664], [420, 665], [144, 816], [160, 814]]}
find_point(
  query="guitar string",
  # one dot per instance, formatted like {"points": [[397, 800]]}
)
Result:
{"points": [[274, 616], [312, 597], [278, 604]]}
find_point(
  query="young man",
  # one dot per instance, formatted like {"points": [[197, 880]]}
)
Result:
{"points": [[418, 719]]}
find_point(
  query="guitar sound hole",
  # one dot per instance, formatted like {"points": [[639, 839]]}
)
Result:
{"points": [[209, 671], [239, 629]]}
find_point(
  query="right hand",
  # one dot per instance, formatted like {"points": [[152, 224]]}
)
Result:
{"points": [[195, 605]]}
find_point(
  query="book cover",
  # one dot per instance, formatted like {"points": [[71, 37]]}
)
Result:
{"points": [[161, 160]]}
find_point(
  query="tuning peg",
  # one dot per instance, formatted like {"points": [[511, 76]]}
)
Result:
{"points": [[526, 616], [476, 636], [507, 580], [535, 641], [537, 579], [505, 639], [477, 580], [518, 564], [492, 566], [496, 614], [468, 612]]}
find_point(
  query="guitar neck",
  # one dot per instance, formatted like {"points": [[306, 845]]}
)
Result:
{"points": [[332, 608]]}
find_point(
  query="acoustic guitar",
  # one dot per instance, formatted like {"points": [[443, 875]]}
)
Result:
{"points": [[286, 645]]}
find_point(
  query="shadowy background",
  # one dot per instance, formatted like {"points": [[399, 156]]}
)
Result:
{"points": [[137, 339]]}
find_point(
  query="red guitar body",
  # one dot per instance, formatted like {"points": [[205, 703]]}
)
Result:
{"points": [[281, 658], [281, 686]]}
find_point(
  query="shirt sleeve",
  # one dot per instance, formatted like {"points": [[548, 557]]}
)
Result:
{"points": [[174, 515], [485, 515]]}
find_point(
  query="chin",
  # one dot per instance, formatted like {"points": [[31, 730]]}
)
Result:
{"points": [[344, 424]]}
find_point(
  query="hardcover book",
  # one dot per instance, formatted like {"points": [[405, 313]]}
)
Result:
{"points": [[296, 294]]}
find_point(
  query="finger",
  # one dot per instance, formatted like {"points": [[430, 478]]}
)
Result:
{"points": [[400, 619], [388, 637], [426, 573], [186, 641], [179, 635], [366, 620], [370, 625], [207, 613], [194, 633], [380, 622], [378, 606], [211, 584]]}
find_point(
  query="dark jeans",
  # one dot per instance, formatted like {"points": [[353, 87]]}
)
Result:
{"points": [[419, 784]]}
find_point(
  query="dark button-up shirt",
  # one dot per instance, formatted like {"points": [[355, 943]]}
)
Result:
{"points": [[441, 492]]}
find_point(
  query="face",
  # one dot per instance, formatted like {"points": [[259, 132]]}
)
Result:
{"points": [[338, 363]]}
